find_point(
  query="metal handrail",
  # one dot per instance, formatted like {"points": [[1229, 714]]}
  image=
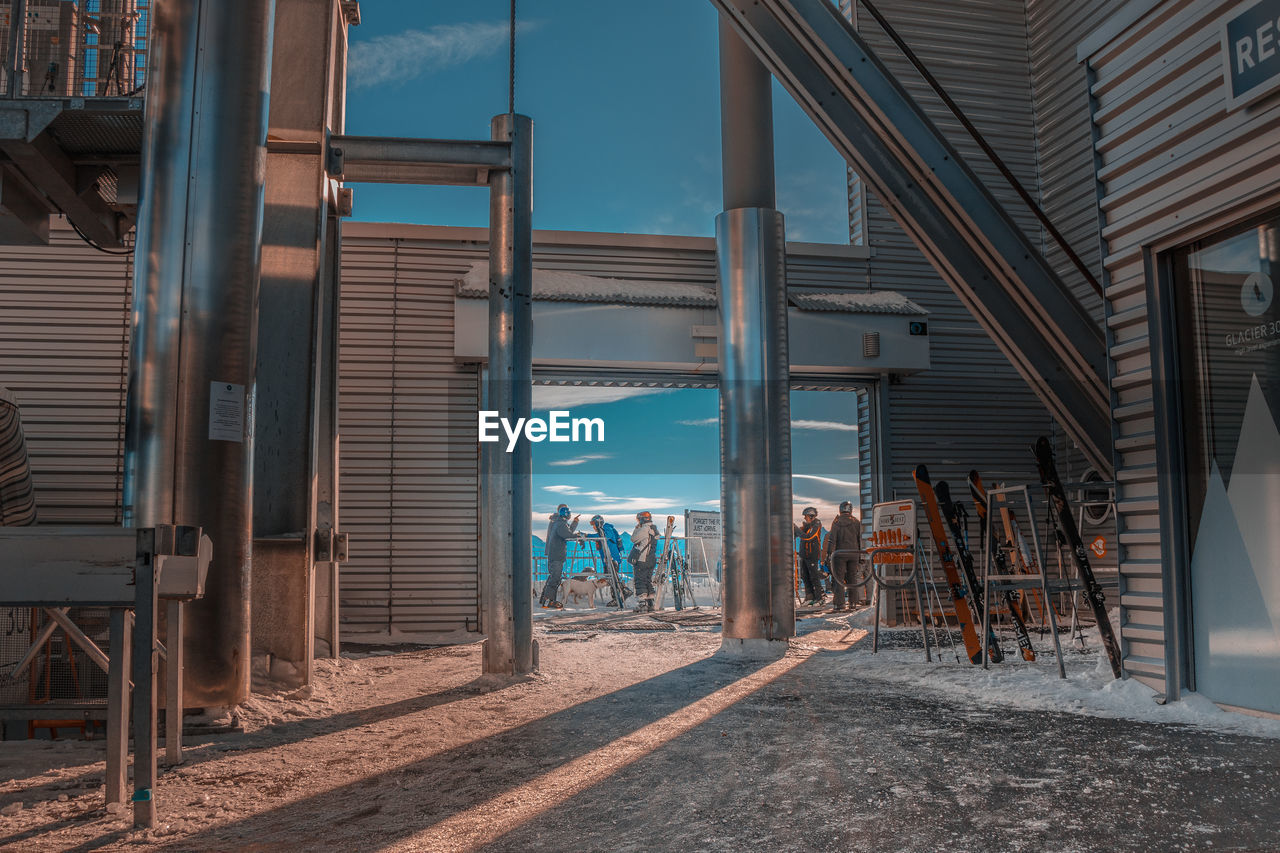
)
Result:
{"points": [[1004, 170]]}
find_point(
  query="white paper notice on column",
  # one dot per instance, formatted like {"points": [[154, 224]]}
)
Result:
{"points": [[226, 412]]}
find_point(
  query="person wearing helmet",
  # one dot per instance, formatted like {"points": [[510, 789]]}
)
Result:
{"points": [[643, 557], [843, 552], [810, 535], [607, 537], [559, 531]]}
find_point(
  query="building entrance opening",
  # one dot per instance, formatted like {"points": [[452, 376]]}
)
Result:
{"points": [[660, 455]]}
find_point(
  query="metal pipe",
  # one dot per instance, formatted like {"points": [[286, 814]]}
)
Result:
{"points": [[755, 426], [189, 433], [755, 409], [16, 67], [746, 124], [506, 524]]}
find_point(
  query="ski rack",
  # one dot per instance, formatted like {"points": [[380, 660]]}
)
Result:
{"points": [[665, 574], [1021, 581], [599, 543], [917, 560]]}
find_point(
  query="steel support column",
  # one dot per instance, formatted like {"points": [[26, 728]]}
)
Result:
{"points": [[295, 341], [189, 434], [755, 409], [506, 571]]}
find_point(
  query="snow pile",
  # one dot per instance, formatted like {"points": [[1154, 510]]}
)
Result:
{"points": [[1088, 688], [562, 286], [860, 302]]}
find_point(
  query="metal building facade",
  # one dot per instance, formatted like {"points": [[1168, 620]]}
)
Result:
{"points": [[1175, 165]]}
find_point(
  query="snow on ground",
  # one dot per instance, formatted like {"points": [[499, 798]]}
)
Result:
{"points": [[1089, 687], [636, 735]]}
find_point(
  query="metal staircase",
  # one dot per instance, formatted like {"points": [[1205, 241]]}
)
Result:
{"points": [[998, 273]]}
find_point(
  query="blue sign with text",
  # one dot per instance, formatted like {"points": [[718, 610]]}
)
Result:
{"points": [[1251, 52]]}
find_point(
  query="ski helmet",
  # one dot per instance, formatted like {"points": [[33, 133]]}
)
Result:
{"points": [[810, 512], [563, 510], [597, 519], [846, 506], [644, 517]]}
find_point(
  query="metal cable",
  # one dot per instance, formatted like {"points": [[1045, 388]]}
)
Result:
{"points": [[1008, 175], [511, 64]]}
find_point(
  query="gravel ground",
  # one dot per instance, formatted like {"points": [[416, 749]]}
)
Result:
{"points": [[646, 740]]}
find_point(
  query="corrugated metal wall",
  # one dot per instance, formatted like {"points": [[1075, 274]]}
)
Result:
{"points": [[972, 410], [409, 475], [64, 349], [1174, 165], [408, 466]]}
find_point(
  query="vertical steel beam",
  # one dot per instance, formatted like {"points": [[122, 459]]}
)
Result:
{"points": [[145, 655], [755, 408], [118, 674], [173, 683], [506, 569], [292, 369], [16, 67], [189, 434], [746, 124]]}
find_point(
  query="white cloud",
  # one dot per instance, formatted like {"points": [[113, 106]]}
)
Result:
{"points": [[403, 56], [546, 397], [701, 422], [826, 426], [561, 490], [580, 460], [831, 481]]}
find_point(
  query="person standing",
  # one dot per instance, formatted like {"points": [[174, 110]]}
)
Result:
{"points": [[643, 557], [559, 531], [810, 535], [613, 542], [843, 552]]}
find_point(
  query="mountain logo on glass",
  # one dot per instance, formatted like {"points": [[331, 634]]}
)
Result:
{"points": [[1256, 294]]}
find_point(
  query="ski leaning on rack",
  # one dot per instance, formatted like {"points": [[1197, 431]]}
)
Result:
{"points": [[951, 513], [979, 494], [959, 596], [1093, 590]]}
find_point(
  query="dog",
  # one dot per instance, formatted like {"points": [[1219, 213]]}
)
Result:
{"points": [[584, 587]]}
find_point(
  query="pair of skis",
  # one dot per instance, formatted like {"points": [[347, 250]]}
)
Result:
{"points": [[933, 503], [963, 592], [610, 567]]}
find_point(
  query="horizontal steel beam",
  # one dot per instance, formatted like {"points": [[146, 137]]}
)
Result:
{"points": [[995, 270], [96, 566], [387, 160]]}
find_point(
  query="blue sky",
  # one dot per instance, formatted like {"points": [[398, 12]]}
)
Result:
{"points": [[625, 103]]}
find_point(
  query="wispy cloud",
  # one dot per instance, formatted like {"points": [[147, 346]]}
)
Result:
{"points": [[701, 422], [580, 460], [546, 397], [830, 481], [403, 56], [826, 426]]}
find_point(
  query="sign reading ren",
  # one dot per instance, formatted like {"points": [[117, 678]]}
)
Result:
{"points": [[1251, 51]]}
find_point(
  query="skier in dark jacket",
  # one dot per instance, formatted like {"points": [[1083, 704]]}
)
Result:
{"points": [[643, 557], [810, 536], [559, 531], [844, 541]]}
